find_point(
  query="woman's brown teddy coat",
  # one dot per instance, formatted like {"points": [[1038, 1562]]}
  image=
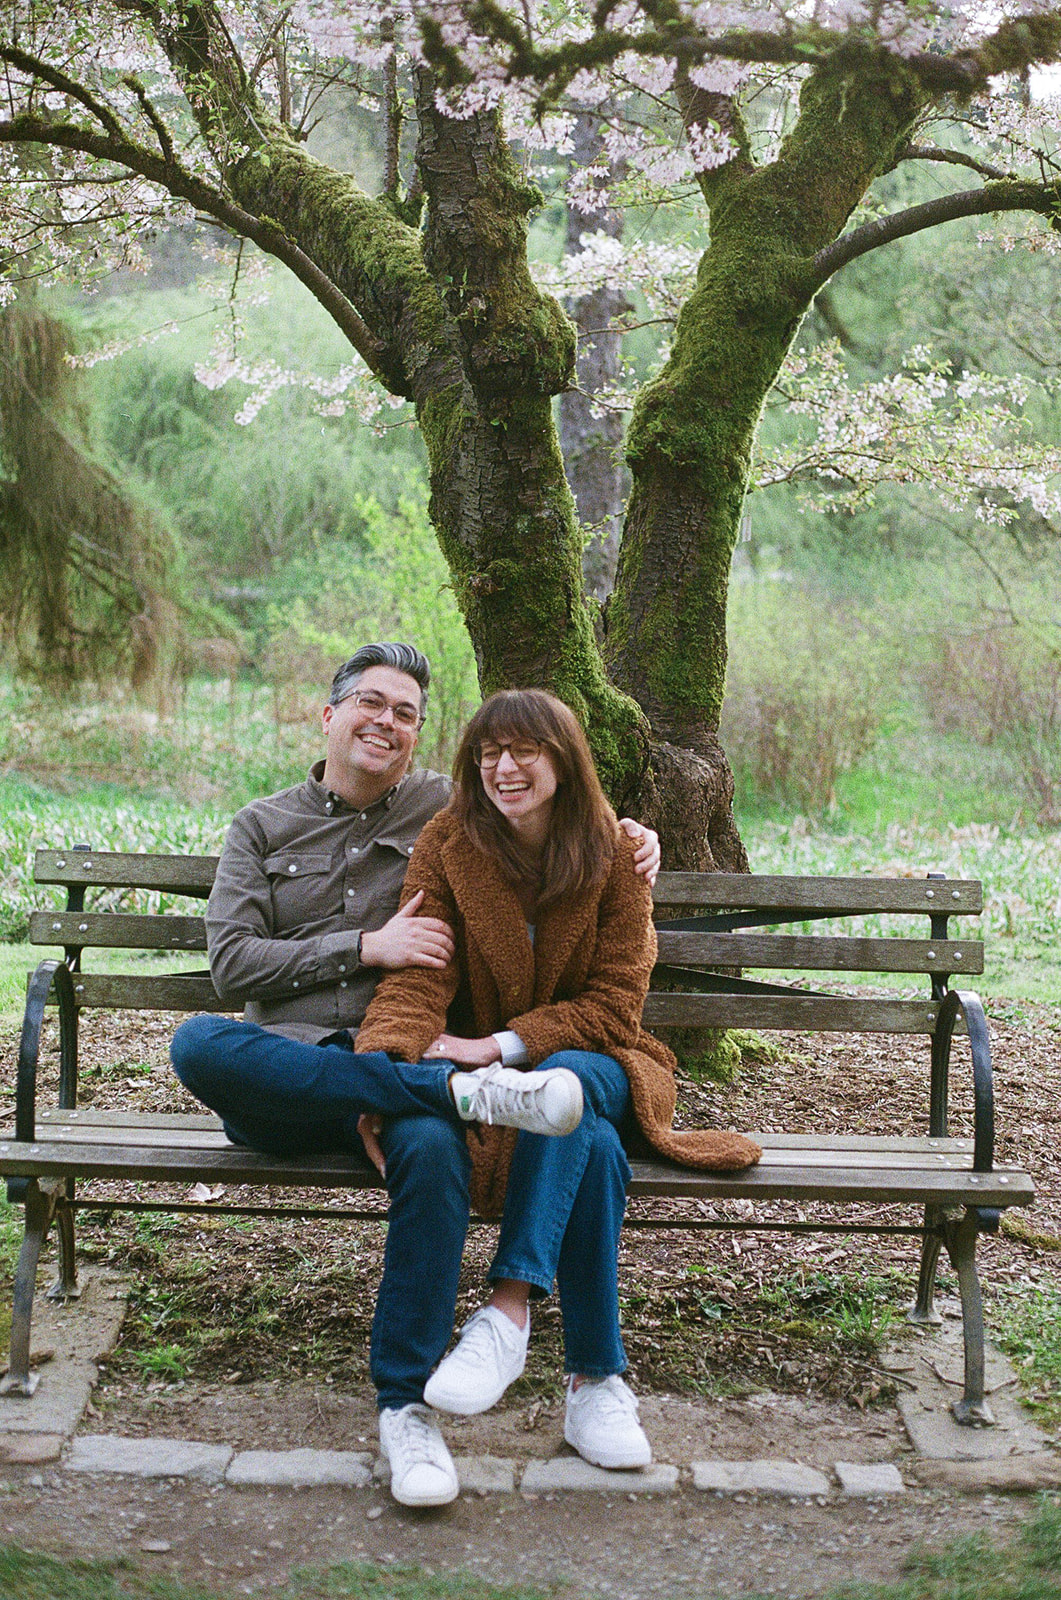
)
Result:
{"points": [[581, 985]]}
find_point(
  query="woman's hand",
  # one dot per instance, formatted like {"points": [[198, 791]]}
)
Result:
{"points": [[646, 856], [464, 1052], [369, 1126]]}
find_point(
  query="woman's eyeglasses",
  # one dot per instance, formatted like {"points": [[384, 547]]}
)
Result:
{"points": [[524, 752]]}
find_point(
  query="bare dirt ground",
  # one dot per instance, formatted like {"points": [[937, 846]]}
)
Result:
{"points": [[735, 1345]]}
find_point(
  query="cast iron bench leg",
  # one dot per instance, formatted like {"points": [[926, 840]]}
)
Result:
{"points": [[41, 1200], [923, 1311], [960, 1238], [66, 1286]]}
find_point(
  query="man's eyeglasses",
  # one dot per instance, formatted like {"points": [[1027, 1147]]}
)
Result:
{"points": [[524, 752], [374, 705]]}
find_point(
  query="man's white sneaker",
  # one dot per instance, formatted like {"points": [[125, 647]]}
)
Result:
{"points": [[538, 1102], [490, 1355], [422, 1470], [601, 1423]]}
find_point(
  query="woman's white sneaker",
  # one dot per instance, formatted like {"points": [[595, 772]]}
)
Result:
{"points": [[422, 1470], [601, 1423], [538, 1102], [491, 1354]]}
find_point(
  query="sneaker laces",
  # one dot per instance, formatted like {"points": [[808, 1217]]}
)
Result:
{"points": [[507, 1097], [481, 1337], [420, 1439], [610, 1397]]}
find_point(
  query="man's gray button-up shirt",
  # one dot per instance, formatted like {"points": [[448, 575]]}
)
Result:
{"points": [[302, 875]]}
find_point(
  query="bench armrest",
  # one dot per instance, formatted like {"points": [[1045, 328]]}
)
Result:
{"points": [[966, 1004], [49, 974]]}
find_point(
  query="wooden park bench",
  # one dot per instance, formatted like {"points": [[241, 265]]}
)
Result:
{"points": [[711, 926]]}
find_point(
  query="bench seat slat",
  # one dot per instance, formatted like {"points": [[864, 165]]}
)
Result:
{"points": [[732, 891], [118, 930], [820, 953], [867, 1154], [770, 1180], [90, 1118]]}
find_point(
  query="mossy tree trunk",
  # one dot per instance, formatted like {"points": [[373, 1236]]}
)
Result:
{"points": [[693, 430]]}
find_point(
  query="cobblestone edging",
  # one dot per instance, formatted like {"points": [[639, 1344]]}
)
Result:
{"points": [[308, 1469]]}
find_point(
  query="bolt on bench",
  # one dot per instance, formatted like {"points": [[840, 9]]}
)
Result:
{"points": [[706, 931]]}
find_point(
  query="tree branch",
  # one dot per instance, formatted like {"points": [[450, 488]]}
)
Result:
{"points": [[161, 131], [957, 158], [178, 181], [35, 68], [1009, 195]]}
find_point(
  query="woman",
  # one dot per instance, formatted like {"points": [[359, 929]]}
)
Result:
{"points": [[554, 949]]}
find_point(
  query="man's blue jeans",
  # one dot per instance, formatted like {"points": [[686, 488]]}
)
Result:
{"points": [[289, 1098]]}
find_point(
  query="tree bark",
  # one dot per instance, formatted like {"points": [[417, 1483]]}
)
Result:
{"points": [[592, 446]]}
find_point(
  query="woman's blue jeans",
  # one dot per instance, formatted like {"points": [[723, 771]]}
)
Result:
{"points": [[562, 1213]]}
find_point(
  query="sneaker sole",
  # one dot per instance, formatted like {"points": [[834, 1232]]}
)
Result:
{"points": [[446, 1499], [458, 1406], [610, 1464]]}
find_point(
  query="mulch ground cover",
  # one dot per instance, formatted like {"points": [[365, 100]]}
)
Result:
{"points": [[235, 1299]]}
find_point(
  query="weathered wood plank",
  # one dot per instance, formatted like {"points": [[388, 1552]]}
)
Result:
{"points": [[732, 891], [89, 1116], [120, 930], [811, 953], [912, 1184], [192, 875], [812, 1013], [125, 992]]}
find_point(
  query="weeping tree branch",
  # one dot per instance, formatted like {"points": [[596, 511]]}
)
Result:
{"points": [[957, 158]]}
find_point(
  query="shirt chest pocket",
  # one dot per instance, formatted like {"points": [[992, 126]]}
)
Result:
{"points": [[298, 877]]}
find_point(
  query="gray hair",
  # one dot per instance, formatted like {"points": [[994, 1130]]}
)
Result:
{"points": [[402, 657]]}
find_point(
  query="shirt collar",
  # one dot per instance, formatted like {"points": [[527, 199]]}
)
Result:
{"points": [[331, 802]]}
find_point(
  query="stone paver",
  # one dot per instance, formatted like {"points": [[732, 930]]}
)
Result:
{"points": [[299, 1469], [486, 1474], [29, 1449], [1018, 1474], [149, 1458], [67, 1342], [869, 1477], [930, 1365], [571, 1472], [759, 1477]]}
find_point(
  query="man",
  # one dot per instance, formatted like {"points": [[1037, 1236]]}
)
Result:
{"points": [[302, 919]]}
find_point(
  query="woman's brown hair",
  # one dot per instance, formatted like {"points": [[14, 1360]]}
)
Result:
{"points": [[581, 841]]}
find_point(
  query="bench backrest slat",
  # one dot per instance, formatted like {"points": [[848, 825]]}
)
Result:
{"points": [[820, 953], [192, 875], [124, 992], [811, 1013], [746, 891], [118, 930]]}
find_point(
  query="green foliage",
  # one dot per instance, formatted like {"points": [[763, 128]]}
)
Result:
{"points": [[1002, 686], [90, 569], [391, 584], [805, 693], [28, 1575], [976, 1568], [1027, 1324]]}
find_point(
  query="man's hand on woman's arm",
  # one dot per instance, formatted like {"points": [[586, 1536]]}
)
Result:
{"points": [[408, 940]]}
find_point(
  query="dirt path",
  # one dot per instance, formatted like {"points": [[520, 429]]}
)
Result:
{"points": [[686, 1544]]}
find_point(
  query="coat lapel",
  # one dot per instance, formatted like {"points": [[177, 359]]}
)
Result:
{"points": [[493, 921], [560, 930]]}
